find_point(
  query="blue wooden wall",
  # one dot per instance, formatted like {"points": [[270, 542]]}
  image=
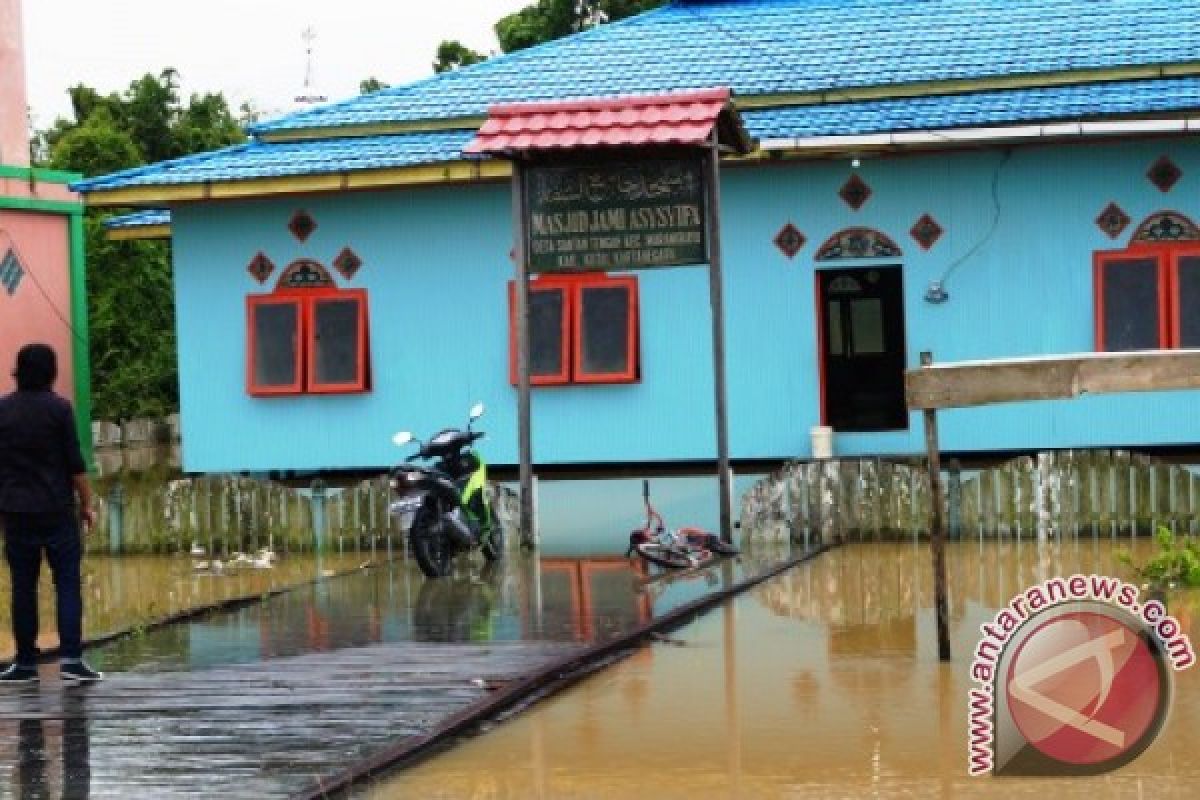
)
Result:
{"points": [[436, 266]]}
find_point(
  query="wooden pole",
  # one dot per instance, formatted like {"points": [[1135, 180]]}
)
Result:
{"points": [[717, 301], [524, 412], [937, 532]]}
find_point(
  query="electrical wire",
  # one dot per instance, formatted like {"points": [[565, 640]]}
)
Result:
{"points": [[32, 275], [995, 224]]}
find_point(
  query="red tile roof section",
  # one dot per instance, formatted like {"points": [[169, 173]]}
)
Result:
{"points": [[676, 118]]}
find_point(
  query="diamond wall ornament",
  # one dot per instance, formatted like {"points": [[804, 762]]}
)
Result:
{"points": [[926, 231], [347, 263], [790, 240], [261, 268], [1113, 220], [1164, 174], [855, 192], [302, 225], [11, 272]]}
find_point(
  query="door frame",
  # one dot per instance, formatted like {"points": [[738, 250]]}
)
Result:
{"points": [[820, 318]]}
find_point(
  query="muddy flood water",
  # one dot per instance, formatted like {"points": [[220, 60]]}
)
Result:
{"points": [[129, 591], [821, 683]]}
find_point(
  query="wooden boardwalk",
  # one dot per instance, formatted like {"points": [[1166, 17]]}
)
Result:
{"points": [[263, 730]]}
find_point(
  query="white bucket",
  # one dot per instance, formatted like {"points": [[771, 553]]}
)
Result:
{"points": [[822, 441]]}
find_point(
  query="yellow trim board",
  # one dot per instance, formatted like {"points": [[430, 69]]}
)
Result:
{"points": [[138, 232], [450, 172]]}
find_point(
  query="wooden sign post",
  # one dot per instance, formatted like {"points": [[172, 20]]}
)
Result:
{"points": [[616, 184], [978, 383]]}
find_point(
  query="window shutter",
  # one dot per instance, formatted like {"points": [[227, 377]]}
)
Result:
{"points": [[1131, 294], [606, 331], [273, 360], [337, 342], [549, 333], [1186, 301]]}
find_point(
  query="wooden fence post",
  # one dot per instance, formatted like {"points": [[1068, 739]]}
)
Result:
{"points": [[937, 530]]}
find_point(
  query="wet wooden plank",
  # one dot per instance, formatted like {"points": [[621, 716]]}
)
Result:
{"points": [[977, 383], [263, 730]]}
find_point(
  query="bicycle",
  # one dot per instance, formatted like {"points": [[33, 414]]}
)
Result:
{"points": [[686, 548]]}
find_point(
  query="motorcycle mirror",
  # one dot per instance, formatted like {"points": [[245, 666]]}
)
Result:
{"points": [[476, 411], [402, 438]]}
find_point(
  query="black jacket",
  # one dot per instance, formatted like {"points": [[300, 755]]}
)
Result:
{"points": [[39, 454]]}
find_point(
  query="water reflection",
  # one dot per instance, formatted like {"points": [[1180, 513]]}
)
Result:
{"points": [[822, 683], [519, 598], [128, 591], [52, 743]]}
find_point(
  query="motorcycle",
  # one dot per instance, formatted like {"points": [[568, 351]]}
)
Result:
{"points": [[444, 506]]}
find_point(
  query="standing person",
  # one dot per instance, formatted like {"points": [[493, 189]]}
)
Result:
{"points": [[41, 473]]}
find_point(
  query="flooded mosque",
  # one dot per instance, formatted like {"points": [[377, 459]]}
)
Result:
{"points": [[42, 295], [976, 180]]}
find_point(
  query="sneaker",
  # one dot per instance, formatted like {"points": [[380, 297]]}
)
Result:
{"points": [[17, 674], [79, 672]]}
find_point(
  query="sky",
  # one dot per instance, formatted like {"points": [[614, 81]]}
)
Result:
{"points": [[251, 50]]}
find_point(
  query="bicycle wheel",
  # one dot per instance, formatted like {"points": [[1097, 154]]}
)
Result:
{"points": [[664, 555]]}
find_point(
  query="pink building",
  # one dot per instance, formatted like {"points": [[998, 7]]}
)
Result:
{"points": [[42, 290]]}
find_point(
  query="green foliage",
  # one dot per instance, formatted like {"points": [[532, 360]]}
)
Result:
{"points": [[1175, 564], [547, 20], [371, 84], [130, 301], [455, 54]]}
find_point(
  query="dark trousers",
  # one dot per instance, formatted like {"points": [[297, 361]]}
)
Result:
{"points": [[27, 537]]}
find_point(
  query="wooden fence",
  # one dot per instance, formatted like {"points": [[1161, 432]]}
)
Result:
{"points": [[156, 512], [1092, 492]]}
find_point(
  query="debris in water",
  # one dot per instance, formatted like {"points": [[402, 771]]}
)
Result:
{"points": [[665, 639]]}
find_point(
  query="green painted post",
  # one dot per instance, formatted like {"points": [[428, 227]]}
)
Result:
{"points": [[82, 340]]}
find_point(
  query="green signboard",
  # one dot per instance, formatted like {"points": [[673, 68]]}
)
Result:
{"points": [[616, 215]]}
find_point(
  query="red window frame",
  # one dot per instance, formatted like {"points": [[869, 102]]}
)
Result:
{"points": [[629, 283], [314, 299], [1178, 252], [305, 301], [573, 287], [1166, 315], [253, 303], [542, 285]]}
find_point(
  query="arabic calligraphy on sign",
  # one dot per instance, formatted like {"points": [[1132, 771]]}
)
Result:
{"points": [[623, 215]]}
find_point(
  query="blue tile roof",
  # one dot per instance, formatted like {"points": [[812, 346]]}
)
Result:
{"points": [[258, 159], [776, 46], [138, 219], [979, 109]]}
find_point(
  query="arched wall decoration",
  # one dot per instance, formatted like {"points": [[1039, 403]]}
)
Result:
{"points": [[1166, 226], [858, 243], [304, 273]]}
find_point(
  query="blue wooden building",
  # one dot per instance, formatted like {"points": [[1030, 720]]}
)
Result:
{"points": [[978, 180]]}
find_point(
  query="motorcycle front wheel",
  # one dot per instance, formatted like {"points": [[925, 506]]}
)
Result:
{"points": [[431, 547]]}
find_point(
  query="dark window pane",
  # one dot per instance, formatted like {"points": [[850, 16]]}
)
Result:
{"points": [[605, 330], [835, 328], [275, 328], [1130, 304], [1189, 301], [336, 341], [866, 322], [546, 308]]}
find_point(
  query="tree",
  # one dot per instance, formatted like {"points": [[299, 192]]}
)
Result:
{"points": [[455, 54], [371, 84], [131, 310], [547, 20]]}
